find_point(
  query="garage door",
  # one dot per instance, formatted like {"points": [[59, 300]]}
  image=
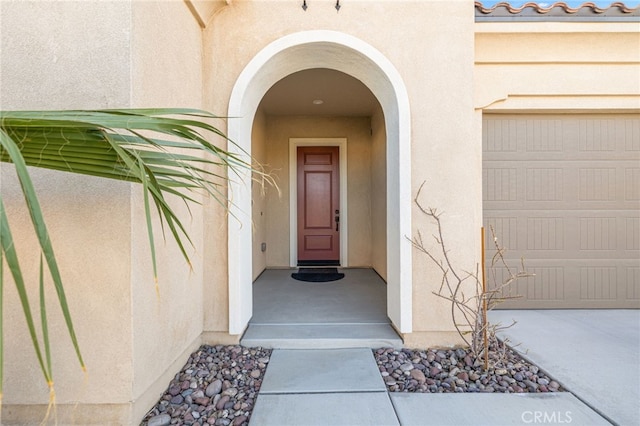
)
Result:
{"points": [[563, 191]]}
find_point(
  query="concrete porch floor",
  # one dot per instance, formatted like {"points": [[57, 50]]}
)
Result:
{"points": [[348, 313]]}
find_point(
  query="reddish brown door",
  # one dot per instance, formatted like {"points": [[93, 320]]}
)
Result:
{"points": [[318, 205]]}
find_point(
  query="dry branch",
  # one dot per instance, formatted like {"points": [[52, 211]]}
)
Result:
{"points": [[468, 312]]}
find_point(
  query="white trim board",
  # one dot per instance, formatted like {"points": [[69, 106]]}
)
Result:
{"points": [[294, 143]]}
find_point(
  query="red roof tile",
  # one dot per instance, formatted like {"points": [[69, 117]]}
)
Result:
{"points": [[556, 10]]}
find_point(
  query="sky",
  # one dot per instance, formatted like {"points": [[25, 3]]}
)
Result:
{"points": [[571, 3]]}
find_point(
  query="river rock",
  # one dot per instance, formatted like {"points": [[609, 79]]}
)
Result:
{"points": [[160, 420], [214, 388], [418, 376]]}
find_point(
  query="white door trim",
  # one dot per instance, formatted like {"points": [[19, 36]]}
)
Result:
{"points": [[294, 143]]}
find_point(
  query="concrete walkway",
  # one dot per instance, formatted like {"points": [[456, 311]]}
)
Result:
{"points": [[323, 387], [595, 354], [344, 387]]}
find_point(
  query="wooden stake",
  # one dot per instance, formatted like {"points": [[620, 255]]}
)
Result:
{"points": [[484, 303]]}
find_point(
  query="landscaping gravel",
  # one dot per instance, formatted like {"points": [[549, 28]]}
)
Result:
{"points": [[217, 386], [454, 370]]}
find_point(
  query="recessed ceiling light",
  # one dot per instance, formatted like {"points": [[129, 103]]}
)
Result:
{"points": [[318, 101]]}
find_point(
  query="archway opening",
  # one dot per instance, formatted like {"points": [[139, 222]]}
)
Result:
{"points": [[324, 50]]}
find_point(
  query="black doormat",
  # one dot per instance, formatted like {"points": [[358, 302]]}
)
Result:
{"points": [[317, 275]]}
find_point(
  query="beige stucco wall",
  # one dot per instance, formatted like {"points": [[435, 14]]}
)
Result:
{"points": [[556, 66], [446, 154], [438, 73], [166, 70], [78, 57], [259, 193], [378, 194], [100, 55]]}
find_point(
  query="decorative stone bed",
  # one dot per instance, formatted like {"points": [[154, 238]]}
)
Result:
{"points": [[219, 384], [453, 370]]}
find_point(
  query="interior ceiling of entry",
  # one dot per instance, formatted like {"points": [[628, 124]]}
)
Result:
{"points": [[341, 95]]}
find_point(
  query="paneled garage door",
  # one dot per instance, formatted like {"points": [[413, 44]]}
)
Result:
{"points": [[563, 191]]}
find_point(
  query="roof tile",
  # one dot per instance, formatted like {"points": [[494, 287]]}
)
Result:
{"points": [[560, 10]]}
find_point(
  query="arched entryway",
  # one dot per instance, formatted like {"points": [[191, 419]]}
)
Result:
{"points": [[341, 52]]}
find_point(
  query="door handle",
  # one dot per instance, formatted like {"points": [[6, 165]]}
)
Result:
{"points": [[337, 219]]}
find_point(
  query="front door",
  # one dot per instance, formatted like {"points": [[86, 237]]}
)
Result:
{"points": [[318, 206]]}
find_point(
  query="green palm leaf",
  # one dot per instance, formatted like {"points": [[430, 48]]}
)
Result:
{"points": [[168, 151]]}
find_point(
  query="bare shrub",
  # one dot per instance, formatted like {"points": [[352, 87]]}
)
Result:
{"points": [[469, 309]]}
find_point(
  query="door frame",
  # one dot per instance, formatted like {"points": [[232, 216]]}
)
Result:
{"points": [[294, 143]]}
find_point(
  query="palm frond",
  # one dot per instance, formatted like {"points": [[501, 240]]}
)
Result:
{"points": [[168, 151]]}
